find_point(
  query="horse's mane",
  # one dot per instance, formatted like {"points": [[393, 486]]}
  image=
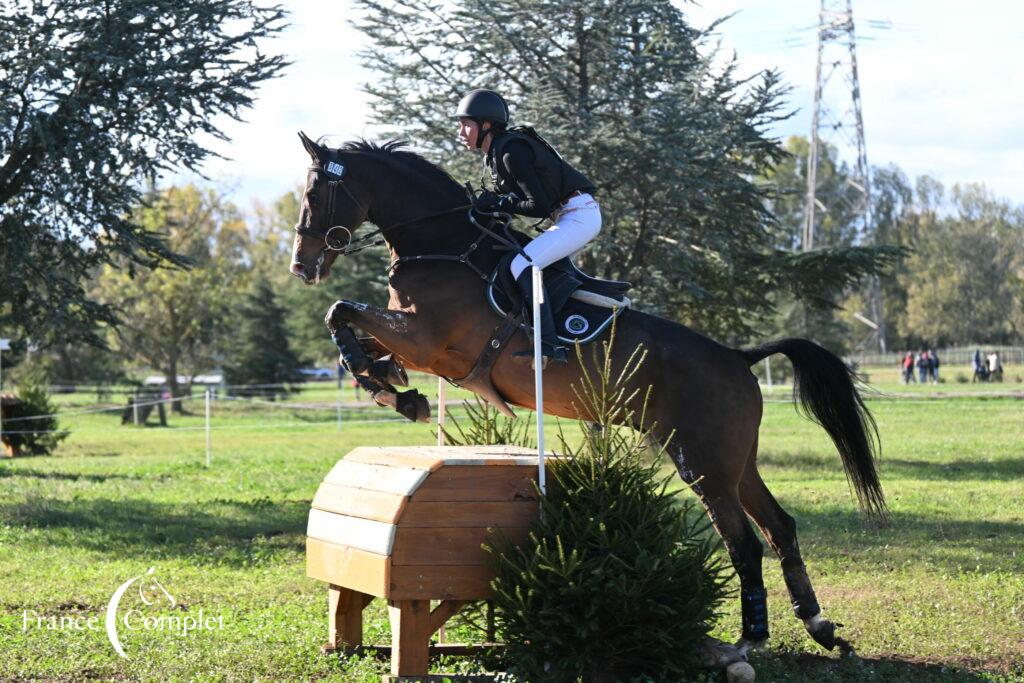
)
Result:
{"points": [[394, 149]]}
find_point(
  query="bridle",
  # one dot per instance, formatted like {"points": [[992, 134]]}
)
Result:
{"points": [[375, 238], [349, 245]]}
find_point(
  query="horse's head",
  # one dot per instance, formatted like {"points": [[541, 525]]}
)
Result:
{"points": [[332, 208]]}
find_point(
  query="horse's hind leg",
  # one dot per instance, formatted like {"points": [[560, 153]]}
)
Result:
{"points": [[779, 530]]}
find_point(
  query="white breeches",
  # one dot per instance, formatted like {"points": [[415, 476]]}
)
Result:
{"points": [[575, 223]]}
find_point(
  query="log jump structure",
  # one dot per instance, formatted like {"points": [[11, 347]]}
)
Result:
{"points": [[406, 524]]}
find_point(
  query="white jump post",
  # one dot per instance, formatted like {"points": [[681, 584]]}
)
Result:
{"points": [[5, 345], [538, 375], [442, 397], [208, 441]]}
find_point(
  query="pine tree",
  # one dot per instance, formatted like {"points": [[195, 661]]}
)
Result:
{"points": [[643, 104], [97, 100], [619, 579], [261, 353]]}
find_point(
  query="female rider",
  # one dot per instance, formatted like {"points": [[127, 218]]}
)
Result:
{"points": [[533, 180]]}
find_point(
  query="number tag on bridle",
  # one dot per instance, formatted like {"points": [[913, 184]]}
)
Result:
{"points": [[335, 169]]}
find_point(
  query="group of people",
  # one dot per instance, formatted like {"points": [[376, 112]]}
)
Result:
{"points": [[987, 368], [927, 364]]}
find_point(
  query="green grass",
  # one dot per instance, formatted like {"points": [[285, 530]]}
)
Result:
{"points": [[937, 595]]}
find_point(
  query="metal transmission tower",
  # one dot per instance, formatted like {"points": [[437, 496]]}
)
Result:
{"points": [[837, 122]]}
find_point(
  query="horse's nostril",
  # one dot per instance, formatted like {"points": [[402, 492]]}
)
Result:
{"points": [[298, 270]]}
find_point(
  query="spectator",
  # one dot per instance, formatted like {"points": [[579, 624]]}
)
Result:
{"points": [[995, 367], [922, 367], [980, 370], [908, 368], [933, 365]]}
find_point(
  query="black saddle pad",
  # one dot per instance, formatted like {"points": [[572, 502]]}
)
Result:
{"points": [[574, 320]]}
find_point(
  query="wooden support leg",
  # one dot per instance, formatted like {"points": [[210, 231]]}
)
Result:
{"points": [[345, 618], [410, 637]]}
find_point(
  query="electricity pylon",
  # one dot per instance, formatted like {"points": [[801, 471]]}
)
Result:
{"points": [[837, 122]]}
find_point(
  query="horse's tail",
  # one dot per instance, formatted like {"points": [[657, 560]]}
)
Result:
{"points": [[828, 396]]}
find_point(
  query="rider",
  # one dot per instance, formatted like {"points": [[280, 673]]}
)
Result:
{"points": [[532, 180]]}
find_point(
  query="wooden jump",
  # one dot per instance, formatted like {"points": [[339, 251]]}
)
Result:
{"points": [[406, 525]]}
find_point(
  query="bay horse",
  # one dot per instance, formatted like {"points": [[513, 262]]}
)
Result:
{"points": [[706, 404]]}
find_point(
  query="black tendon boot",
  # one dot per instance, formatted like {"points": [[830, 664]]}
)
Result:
{"points": [[550, 349]]}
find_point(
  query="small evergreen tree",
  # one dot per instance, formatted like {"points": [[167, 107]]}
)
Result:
{"points": [[619, 579], [260, 353], [33, 435]]}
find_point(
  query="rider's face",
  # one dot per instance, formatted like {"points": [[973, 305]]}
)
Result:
{"points": [[468, 132]]}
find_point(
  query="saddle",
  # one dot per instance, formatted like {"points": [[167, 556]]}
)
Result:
{"points": [[583, 306]]}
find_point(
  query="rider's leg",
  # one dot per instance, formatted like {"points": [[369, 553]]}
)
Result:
{"points": [[575, 225]]}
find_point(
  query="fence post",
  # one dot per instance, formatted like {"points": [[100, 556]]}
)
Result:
{"points": [[135, 408], [340, 389], [442, 396], [208, 443]]}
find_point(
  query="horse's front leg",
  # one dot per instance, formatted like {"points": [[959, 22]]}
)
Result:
{"points": [[376, 376], [398, 331]]}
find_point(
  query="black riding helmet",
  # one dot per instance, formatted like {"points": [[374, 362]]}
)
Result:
{"points": [[483, 105]]}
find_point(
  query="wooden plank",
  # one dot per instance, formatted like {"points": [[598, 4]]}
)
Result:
{"points": [[440, 582], [364, 534], [447, 546], [350, 568], [376, 477], [475, 513], [364, 503], [409, 458], [345, 617], [466, 482], [443, 612], [410, 637]]}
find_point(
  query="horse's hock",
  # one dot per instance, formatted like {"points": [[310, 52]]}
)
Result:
{"points": [[406, 525]]}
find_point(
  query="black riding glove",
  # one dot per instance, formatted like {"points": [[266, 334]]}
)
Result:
{"points": [[487, 201]]}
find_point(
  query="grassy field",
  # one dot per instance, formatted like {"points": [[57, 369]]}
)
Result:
{"points": [[938, 595]]}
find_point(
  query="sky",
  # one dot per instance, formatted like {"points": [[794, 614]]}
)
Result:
{"points": [[942, 91]]}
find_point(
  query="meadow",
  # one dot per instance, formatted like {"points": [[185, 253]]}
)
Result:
{"points": [[936, 595]]}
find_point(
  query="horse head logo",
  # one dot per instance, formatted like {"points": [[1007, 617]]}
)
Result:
{"points": [[150, 591]]}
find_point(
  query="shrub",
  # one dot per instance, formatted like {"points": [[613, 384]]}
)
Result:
{"points": [[33, 435], [619, 578]]}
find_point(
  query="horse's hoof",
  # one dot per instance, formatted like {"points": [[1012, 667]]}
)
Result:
{"points": [[388, 371], [822, 630], [414, 406]]}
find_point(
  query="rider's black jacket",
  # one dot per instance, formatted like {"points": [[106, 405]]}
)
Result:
{"points": [[533, 177]]}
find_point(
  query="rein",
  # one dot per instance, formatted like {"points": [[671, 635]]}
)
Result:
{"points": [[351, 246]]}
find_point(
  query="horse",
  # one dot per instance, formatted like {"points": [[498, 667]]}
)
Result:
{"points": [[706, 405]]}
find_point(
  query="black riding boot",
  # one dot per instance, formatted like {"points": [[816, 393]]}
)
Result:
{"points": [[550, 349]]}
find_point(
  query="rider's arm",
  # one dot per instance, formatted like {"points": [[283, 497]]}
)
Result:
{"points": [[531, 199]]}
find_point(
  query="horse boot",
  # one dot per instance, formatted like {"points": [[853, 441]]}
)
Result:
{"points": [[353, 358], [550, 349]]}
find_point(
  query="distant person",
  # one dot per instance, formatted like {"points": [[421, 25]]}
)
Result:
{"points": [[933, 365], [908, 368], [995, 367], [922, 367], [980, 370]]}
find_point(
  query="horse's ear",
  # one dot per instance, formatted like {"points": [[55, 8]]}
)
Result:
{"points": [[315, 151]]}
